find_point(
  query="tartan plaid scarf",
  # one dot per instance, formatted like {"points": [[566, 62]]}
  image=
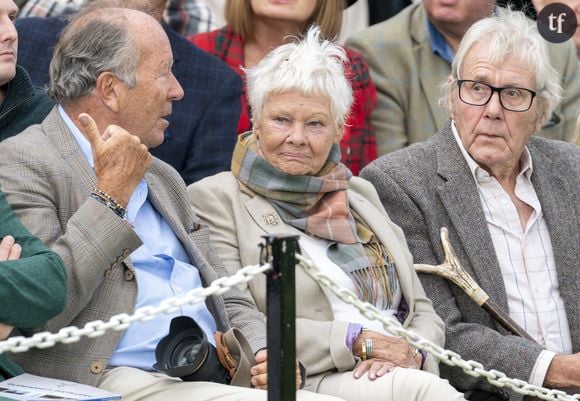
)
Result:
{"points": [[318, 205]]}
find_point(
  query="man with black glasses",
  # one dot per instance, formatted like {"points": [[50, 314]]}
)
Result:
{"points": [[511, 203], [410, 54]]}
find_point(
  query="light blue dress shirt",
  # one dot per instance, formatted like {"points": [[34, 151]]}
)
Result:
{"points": [[438, 43], [163, 270]]}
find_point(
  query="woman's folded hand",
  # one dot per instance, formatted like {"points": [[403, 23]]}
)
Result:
{"points": [[384, 348], [375, 368]]}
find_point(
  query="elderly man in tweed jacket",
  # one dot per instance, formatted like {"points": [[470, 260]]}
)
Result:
{"points": [[409, 56], [511, 204], [118, 217]]}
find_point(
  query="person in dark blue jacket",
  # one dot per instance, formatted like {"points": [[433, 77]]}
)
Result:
{"points": [[21, 104]]}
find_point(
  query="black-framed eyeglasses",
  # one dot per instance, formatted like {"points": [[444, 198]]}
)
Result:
{"points": [[511, 98]]}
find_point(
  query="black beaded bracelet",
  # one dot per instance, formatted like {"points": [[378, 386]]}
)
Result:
{"points": [[108, 201]]}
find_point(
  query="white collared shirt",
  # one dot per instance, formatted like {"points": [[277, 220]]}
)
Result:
{"points": [[526, 260]]}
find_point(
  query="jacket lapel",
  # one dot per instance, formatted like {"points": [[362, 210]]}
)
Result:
{"points": [[558, 207], [165, 196], [163, 202], [265, 216], [68, 147], [433, 70], [469, 234]]}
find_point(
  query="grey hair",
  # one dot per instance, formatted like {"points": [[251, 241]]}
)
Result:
{"points": [[94, 42], [510, 33], [312, 66]]}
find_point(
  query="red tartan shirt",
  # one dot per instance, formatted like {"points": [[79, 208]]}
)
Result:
{"points": [[358, 145]]}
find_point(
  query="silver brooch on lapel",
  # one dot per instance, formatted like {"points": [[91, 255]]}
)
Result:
{"points": [[270, 219]]}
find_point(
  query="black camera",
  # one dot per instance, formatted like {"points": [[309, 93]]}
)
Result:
{"points": [[186, 353]]}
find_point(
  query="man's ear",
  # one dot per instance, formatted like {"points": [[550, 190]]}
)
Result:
{"points": [[108, 87], [542, 117], [449, 97]]}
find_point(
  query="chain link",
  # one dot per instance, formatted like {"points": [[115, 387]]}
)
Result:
{"points": [[97, 328], [220, 286], [450, 358]]}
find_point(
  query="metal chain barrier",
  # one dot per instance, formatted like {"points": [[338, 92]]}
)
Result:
{"points": [[392, 326], [122, 321], [97, 328]]}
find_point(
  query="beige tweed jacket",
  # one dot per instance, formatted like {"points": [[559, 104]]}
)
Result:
{"points": [[237, 222], [47, 180]]}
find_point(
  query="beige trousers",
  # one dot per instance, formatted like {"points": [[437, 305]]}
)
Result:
{"points": [[139, 385], [398, 385]]}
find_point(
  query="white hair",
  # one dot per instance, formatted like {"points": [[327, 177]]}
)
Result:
{"points": [[313, 66], [510, 34]]}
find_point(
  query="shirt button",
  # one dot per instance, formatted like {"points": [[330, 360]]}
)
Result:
{"points": [[126, 253], [129, 275], [96, 367], [108, 273]]}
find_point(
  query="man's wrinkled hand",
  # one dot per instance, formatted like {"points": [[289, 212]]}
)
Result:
{"points": [[120, 158], [564, 372]]}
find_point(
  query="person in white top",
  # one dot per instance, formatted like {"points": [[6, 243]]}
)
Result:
{"points": [[510, 201], [287, 177]]}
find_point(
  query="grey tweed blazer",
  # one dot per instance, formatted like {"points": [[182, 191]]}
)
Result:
{"points": [[47, 180], [428, 186]]}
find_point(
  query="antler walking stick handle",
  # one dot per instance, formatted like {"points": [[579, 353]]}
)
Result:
{"points": [[452, 270]]}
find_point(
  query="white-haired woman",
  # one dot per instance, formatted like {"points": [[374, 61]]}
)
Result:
{"points": [[287, 177], [255, 27]]}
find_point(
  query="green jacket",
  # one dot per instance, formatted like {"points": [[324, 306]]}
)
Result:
{"points": [[23, 105], [32, 288]]}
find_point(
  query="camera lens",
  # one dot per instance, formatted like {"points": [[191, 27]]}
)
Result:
{"points": [[185, 352]]}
